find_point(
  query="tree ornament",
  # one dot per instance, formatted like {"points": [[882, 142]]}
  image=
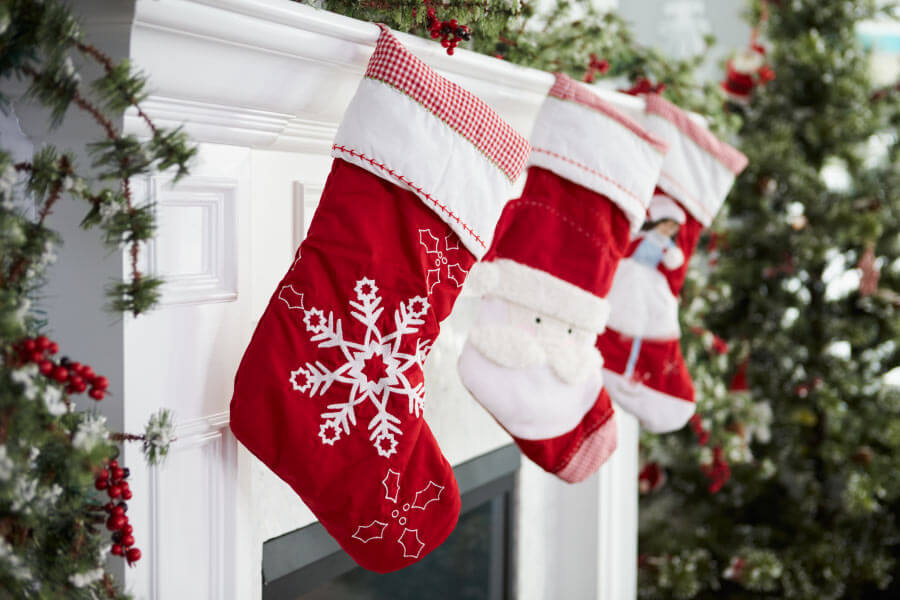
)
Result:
{"points": [[871, 274], [863, 456], [745, 71], [651, 478], [735, 569], [133, 555], [717, 470]]}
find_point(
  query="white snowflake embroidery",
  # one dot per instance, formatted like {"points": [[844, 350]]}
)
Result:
{"points": [[408, 538], [374, 368]]}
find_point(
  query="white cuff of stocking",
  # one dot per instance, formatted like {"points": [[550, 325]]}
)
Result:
{"points": [[545, 293], [603, 151], [699, 169], [391, 135]]}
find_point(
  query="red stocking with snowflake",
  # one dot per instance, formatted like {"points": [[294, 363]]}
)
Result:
{"points": [[330, 391], [644, 369], [530, 359]]}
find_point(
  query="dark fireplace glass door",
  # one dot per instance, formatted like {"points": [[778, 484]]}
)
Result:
{"points": [[459, 568], [474, 563]]}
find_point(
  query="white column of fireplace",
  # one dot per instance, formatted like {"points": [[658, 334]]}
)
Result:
{"points": [[262, 85]]}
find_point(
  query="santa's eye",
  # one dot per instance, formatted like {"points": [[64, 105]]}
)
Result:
{"points": [[537, 319], [570, 330]]}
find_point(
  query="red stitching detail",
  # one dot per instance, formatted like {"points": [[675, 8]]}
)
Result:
{"points": [[418, 190], [591, 171], [596, 240]]}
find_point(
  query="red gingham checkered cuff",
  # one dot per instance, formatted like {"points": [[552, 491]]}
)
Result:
{"points": [[463, 112]]}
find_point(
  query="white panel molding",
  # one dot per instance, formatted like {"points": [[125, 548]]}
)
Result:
{"points": [[306, 197], [617, 526], [212, 245], [203, 448]]}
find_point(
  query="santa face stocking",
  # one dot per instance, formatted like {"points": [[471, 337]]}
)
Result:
{"points": [[330, 391], [530, 359], [644, 369]]}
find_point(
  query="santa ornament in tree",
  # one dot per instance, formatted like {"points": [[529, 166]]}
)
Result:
{"points": [[330, 391], [530, 359], [644, 368], [745, 71]]}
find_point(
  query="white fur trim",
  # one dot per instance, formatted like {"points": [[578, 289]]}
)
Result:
{"points": [[642, 303], [598, 152], [531, 403], [391, 135], [657, 412], [549, 295], [673, 258], [663, 207]]}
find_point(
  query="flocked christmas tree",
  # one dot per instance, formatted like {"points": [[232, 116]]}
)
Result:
{"points": [[786, 485]]}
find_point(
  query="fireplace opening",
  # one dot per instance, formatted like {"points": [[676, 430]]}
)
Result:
{"points": [[474, 563]]}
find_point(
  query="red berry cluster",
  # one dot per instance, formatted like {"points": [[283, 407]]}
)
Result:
{"points": [[112, 479], [644, 86], [450, 32], [595, 66], [78, 376]]}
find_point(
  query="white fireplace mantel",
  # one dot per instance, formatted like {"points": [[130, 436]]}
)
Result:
{"points": [[279, 74], [261, 85]]}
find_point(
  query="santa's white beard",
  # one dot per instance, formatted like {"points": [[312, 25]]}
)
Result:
{"points": [[537, 375], [516, 348]]}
